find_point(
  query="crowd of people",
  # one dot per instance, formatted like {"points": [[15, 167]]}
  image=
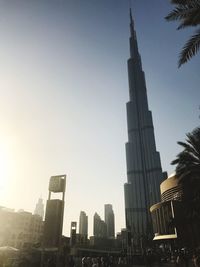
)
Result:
{"points": [[108, 261], [177, 258], [150, 259]]}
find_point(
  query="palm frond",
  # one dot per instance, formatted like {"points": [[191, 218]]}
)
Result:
{"points": [[185, 145], [190, 49], [185, 2], [179, 2], [193, 139], [179, 13], [191, 21], [188, 174], [175, 161], [188, 160]]}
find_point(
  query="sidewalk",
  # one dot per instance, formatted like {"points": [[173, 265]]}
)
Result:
{"points": [[156, 265], [164, 265]]}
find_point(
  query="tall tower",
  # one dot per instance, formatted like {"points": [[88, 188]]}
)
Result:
{"points": [[144, 172], [39, 209], [53, 223], [109, 220], [83, 225]]}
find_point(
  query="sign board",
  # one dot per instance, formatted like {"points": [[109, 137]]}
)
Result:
{"points": [[57, 184]]}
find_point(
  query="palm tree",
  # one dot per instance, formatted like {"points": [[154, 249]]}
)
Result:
{"points": [[188, 175], [188, 160], [188, 13]]}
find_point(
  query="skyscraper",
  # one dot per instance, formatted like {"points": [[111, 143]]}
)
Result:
{"points": [[39, 209], [144, 172], [53, 223], [83, 224], [100, 228], [109, 220]]}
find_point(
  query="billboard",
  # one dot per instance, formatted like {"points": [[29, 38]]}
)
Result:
{"points": [[57, 184]]}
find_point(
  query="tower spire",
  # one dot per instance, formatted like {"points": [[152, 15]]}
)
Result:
{"points": [[133, 40], [132, 30]]}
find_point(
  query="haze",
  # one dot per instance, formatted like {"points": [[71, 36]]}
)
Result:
{"points": [[64, 85]]}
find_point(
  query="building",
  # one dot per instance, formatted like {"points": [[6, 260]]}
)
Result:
{"points": [[54, 213], [109, 220], [39, 209], [83, 225], [122, 240], [144, 172], [73, 233], [174, 218], [102, 243], [20, 229], [100, 227], [168, 215]]}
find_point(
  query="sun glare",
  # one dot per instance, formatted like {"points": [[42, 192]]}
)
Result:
{"points": [[4, 166]]}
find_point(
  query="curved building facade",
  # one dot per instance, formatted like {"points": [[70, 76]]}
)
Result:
{"points": [[168, 211]]}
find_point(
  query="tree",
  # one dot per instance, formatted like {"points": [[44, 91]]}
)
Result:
{"points": [[188, 175], [188, 13]]}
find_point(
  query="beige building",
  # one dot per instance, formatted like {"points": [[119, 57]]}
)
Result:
{"points": [[167, 214], [19, 229]]}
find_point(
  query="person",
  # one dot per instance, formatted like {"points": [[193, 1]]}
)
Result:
{"points": [[89, 262], [196, 260], [186, 259], [103, 264], [149, 259], [84, 262], [51, 262], [180, 260], [120, 261], [94, 262], [71, 261]]}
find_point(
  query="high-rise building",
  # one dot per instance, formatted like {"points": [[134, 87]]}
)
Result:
{"points": [[100, 227], [39, 209], [83, 225], [54, 213], [144, 172], [109, 220]]}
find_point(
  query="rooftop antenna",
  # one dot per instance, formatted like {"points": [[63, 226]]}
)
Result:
{"points": [[131, 19]]}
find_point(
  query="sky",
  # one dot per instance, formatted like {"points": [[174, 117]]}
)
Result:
{"points": [[63, 90]]}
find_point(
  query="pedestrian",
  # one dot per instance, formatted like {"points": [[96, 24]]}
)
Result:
{"points": [[84, 262], [95, 262], [51, 262], [196, 260], [103, 264], [180, 260], [149, 259], [71, 261]]}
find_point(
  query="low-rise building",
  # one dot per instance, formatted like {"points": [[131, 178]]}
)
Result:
{"points": [[19, 229]]}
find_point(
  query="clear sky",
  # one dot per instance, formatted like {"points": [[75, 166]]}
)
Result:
{"points": [[63, 89]]}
